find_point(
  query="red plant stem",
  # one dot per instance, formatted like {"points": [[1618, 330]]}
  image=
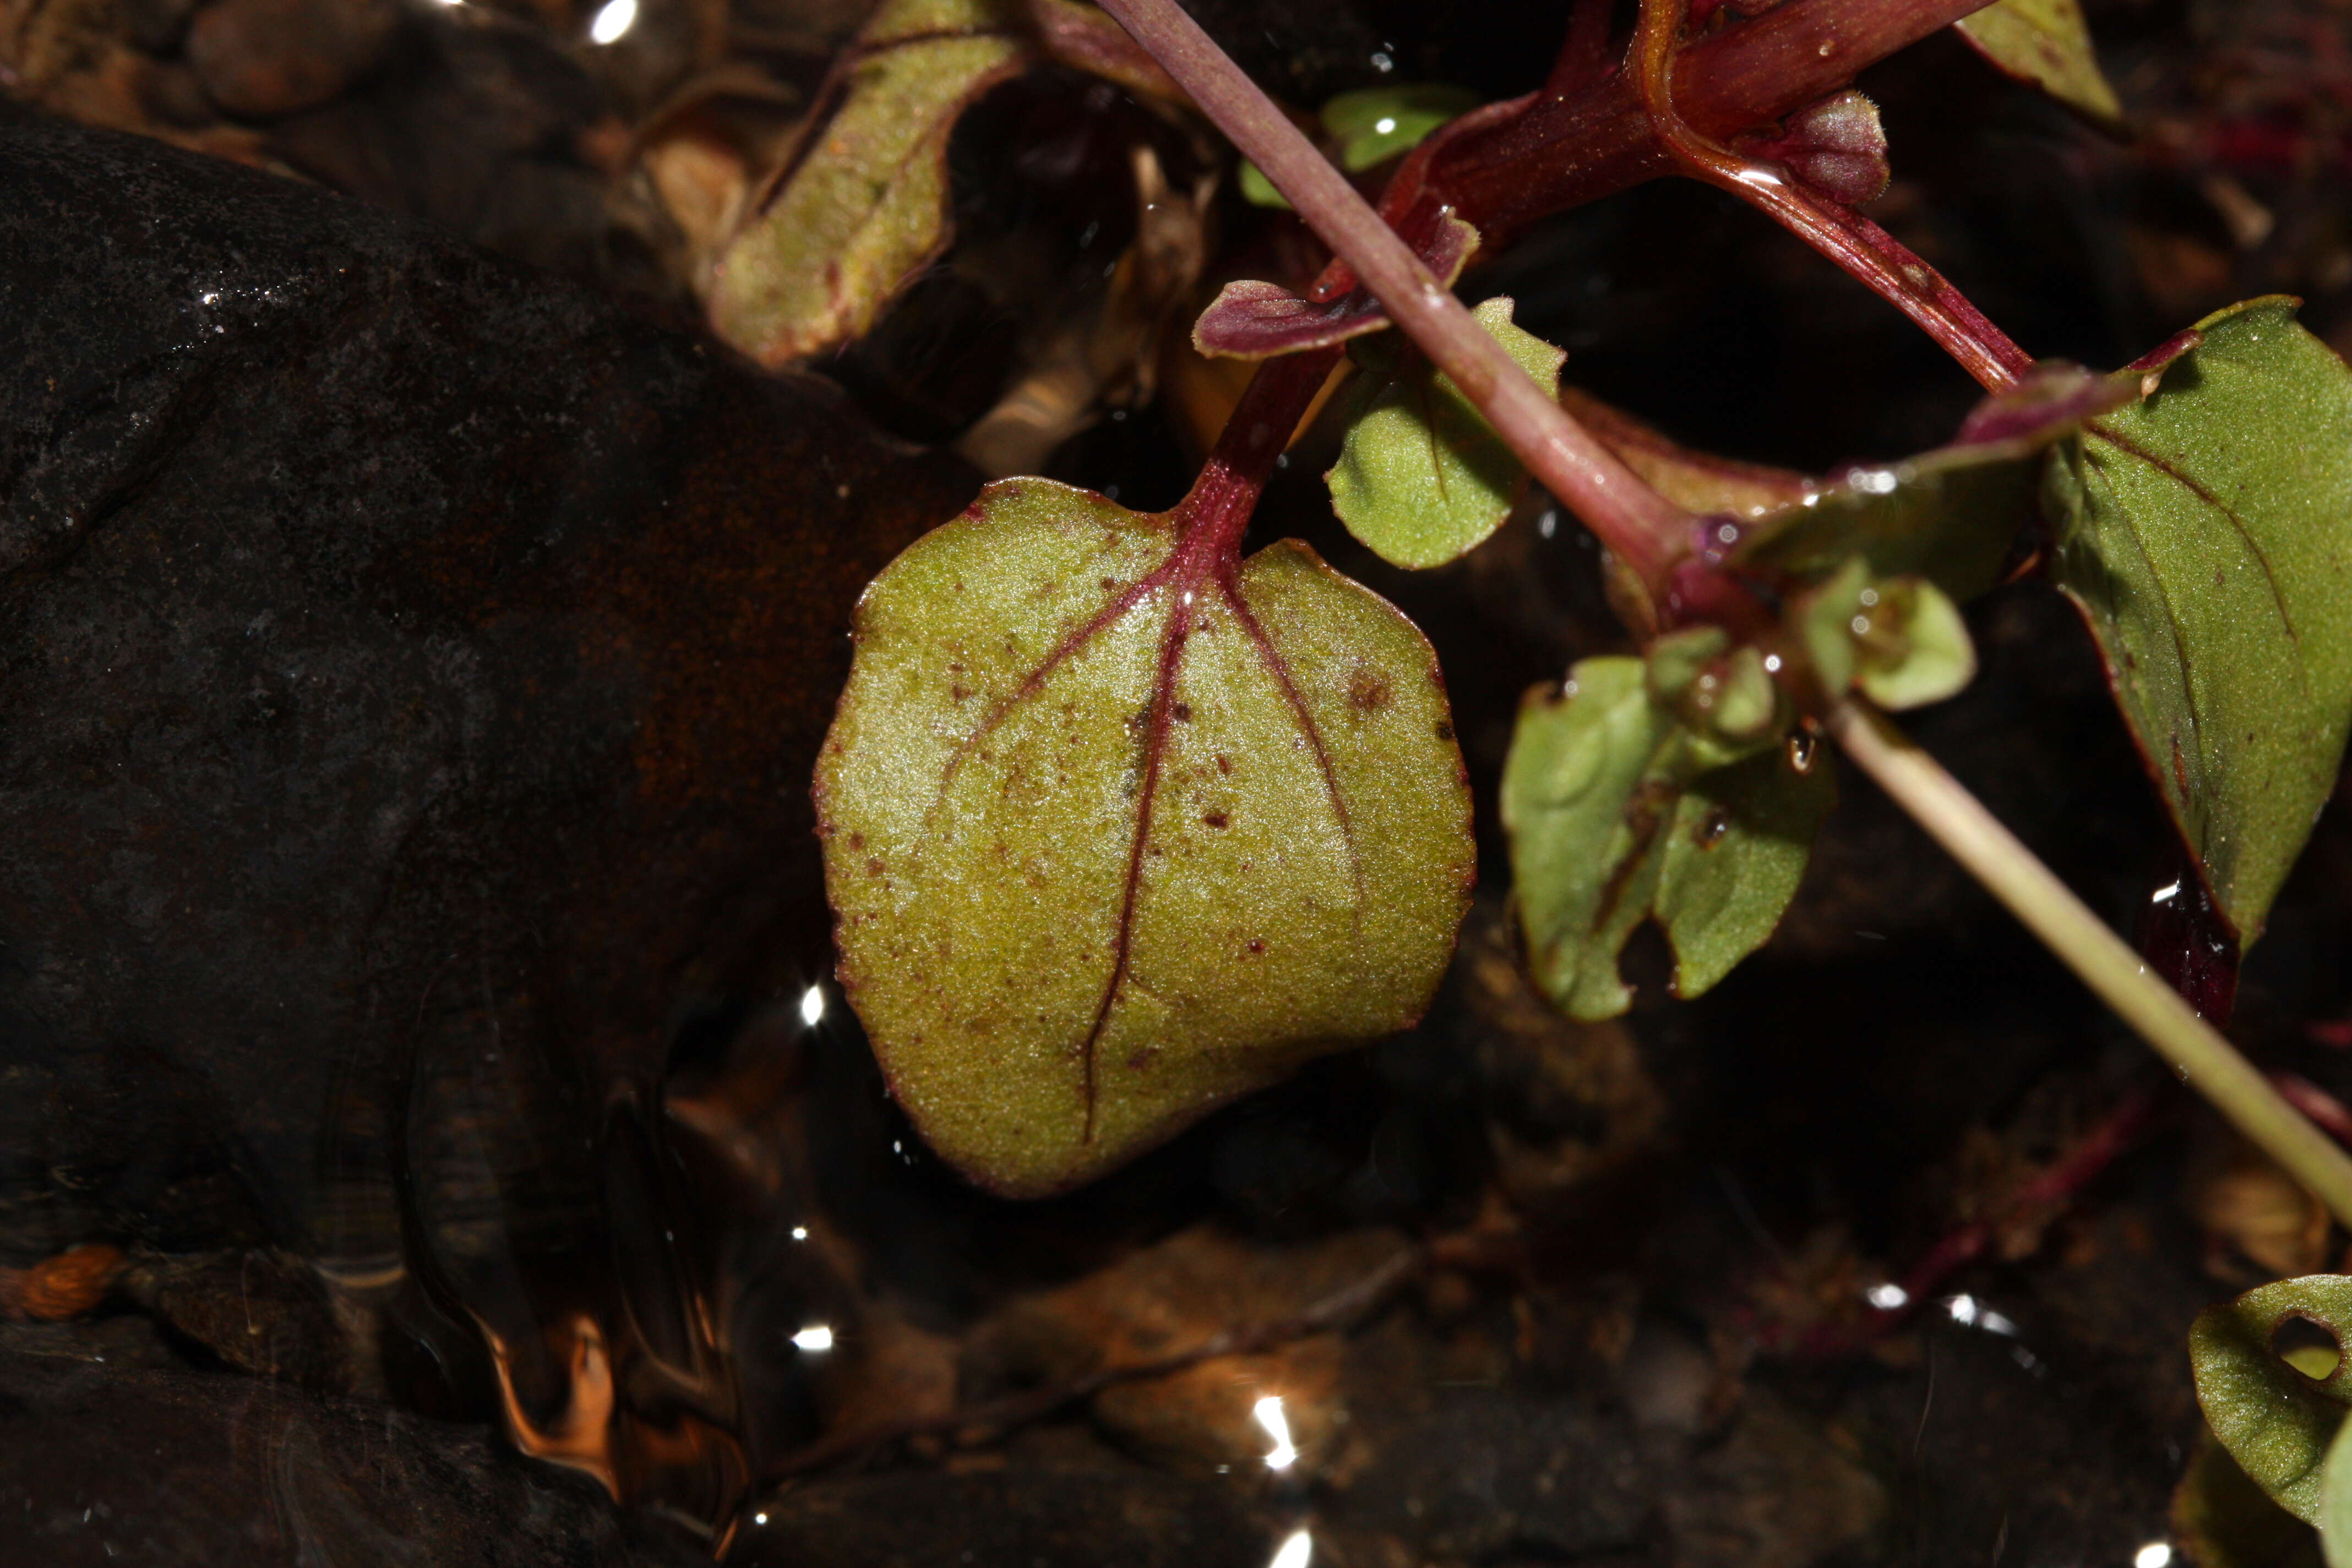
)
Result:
{"points": [[2074, 1170], [1646, 533], [1584, 137], [1866, 252], [1217, 512], [1510, 164]]}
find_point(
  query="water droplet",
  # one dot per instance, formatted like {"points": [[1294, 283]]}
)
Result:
{"points": [[1801, 747], [1711, 828]]}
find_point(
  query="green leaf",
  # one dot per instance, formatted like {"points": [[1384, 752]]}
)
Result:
{"points": [[2335, 1519], [1900, 639], [1422, 476], [1949, 515], [1617, 811], [2206, 534], [2048, 44], [864, 203], [2276, 1422], [1373, 124], [1115, 834], [1369, 126]]}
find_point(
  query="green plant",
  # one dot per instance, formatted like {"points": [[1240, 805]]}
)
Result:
{"points": [[1038, 886], [1119, 825]]}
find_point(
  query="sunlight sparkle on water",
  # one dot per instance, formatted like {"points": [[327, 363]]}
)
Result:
{"points": [[813, 1005], [1294, 1551], [2155, 1554], [1887, 1297], [815, 1337], [1269, 1415], [616, 18]]}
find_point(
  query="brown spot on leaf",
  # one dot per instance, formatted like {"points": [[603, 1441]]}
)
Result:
{"points": [[1256, 945], [1224, 764], [1369, 691], [873, 866], [1183, 713], [1445, 731], [1217, 819]]}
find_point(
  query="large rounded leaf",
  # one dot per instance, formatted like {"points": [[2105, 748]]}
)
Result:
{"points": [[2207, 534], [1116, 833]]}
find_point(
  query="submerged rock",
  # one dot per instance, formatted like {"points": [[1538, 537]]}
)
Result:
{"points": [[410, 671]]}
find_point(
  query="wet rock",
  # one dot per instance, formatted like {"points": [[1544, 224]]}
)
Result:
{"points": [[257, 1309], [1031, 1518], [1479, 1472], [1166, 1301], [262, 58], [100, 1467], [408, 659]]}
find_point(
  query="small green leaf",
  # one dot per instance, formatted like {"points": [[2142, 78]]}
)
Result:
{"points": [[1115, 834], [2206, 534], [2048, 44], [864, 203], [1900, 639], [1422, 476], [1369, 126], [2276, 1422], [1617, 811], [1734, 857], [1373, 124]]}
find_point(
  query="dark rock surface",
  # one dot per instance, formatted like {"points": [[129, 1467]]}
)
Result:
{"points": [[105, 1468], [408, 664]]}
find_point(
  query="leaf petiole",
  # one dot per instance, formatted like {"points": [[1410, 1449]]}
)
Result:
{"points": [[1866, 252], [2032, 893], [1646, 533]]}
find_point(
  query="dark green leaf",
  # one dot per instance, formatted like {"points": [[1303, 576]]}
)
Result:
{"points": [[1617, 810], [2206, 533], [1900, 639], [1115, 835], [2275, 1421], [1948, 515], [2047, 43], [1422, 476]]}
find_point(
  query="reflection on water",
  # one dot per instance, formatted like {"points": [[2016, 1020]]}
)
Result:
{"points": [[504, 1240]]}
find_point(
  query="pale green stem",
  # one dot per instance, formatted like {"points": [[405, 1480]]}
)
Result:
{"points": [[2206, 1061]]}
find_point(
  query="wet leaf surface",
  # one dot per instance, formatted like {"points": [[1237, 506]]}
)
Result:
{"points": [[2276, 1422], [2206, 534], [1422, 476], [2047, 43], [1950, 514], [1115, 834], [1617, 812]]}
